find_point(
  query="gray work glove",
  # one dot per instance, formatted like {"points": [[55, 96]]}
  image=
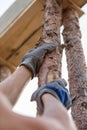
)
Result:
{"points": [[34, 58]]}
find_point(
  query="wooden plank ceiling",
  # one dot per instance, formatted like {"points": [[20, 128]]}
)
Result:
{"points": [[22, 33]]}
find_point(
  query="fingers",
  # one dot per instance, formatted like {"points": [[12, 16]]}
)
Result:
{"points": [[49, 46]]}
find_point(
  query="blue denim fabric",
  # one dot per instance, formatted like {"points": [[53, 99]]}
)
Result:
{"points": [[60, 90]]}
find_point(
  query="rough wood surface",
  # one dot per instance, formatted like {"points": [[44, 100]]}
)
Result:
{"points": [[76, 67], [51, 68]]}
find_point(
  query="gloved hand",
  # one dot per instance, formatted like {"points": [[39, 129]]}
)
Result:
{"points": [[34, 58], [57, 89]]}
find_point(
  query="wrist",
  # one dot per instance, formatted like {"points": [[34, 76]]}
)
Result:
{"points": [[26, 71]]}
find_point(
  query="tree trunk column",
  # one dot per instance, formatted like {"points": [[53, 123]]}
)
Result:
{"points": [[51, 68], [76, 67]]}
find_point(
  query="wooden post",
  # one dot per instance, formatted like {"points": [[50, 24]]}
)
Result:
{"points": [[5, 71], [76, 67], [51, 68]]}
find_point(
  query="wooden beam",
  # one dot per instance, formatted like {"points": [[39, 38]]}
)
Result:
{"points": [[21, 30], [18, 7], [6, 63], [75, 5], [30, 43], [80, 3], [13, 41], [12, 14]]}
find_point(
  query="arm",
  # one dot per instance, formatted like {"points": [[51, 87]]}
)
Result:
{"points": [[15, 83], [28, 68], [12, 121]]}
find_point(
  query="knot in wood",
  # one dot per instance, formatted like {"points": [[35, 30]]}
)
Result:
{"points": [[84, 104]]}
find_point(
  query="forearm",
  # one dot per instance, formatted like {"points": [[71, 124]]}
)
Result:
{"points": [[53, 109], [10, 120], [14, 84]]}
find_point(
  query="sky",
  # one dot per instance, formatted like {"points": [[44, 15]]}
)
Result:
{"points": [[24, 106], [4, 5]]}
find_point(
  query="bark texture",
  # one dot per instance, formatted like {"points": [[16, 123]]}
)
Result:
{"points": [[51, 68], [76, 67]]}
